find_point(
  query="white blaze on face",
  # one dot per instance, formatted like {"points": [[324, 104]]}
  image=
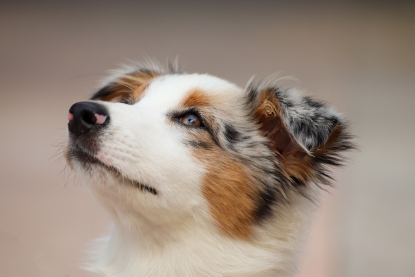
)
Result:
{"points": [[145, 145]]}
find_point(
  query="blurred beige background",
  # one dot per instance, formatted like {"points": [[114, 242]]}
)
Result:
{"points": [[360, 58]]}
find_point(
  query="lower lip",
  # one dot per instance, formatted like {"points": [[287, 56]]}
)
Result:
{"points": [[99, 161]]}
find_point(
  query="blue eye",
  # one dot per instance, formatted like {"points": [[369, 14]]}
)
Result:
{"points": [[191, 119]]}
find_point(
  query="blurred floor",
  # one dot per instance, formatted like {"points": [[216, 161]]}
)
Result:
{"points": [[359, 58]]}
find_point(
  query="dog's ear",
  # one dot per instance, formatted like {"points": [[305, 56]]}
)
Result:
{"points": [[305, 135], [127, 87]]}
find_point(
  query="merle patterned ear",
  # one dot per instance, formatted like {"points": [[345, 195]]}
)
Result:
{"points": [[305, 134], [127, 87]]}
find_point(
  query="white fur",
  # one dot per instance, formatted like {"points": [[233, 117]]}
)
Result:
{"points": [[172, 233]]}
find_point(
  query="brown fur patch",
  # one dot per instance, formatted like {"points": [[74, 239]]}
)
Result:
{"points": [[130, 87], [196, 98], [231, 193]]}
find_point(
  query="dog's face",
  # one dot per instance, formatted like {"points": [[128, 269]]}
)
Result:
{"points": [[164, 147]]}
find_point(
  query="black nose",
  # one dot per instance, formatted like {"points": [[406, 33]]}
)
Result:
{"points": [[85, 117]]}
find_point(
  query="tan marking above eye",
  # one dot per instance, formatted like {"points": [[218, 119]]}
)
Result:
{"points": [[191, 119], [196, 98]]}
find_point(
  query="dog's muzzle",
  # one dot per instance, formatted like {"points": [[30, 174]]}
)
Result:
{"points": [[86, 118]]}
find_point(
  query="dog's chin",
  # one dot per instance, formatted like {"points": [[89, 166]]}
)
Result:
{"points": [[89, 161]]}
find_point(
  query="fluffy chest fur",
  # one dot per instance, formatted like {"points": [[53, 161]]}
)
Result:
{"points": [[201, 177]]}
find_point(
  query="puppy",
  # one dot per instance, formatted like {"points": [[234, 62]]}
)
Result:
{"points": [[201, 177]]}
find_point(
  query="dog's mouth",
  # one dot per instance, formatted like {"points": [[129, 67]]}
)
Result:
{"points": [[87, 160]]}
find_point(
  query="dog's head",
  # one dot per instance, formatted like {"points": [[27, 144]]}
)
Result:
{"points": [[169, 146]]}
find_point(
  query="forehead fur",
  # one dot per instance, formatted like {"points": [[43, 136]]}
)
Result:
{"points": [[178, 90]]}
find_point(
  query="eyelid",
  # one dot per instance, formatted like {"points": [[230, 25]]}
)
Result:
{"points": [[178, 116], [127, 101]]}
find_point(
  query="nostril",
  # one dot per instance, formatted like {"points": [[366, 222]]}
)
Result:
{"points": [[92, 118], [88, 117]]}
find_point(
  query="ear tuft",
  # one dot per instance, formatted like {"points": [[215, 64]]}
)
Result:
{"points": [[174, 66], [306, 135]]}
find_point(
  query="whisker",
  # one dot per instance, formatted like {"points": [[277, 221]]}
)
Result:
{"points": [[60, 158], [67, 179], [63, 170], [57, 153]]}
